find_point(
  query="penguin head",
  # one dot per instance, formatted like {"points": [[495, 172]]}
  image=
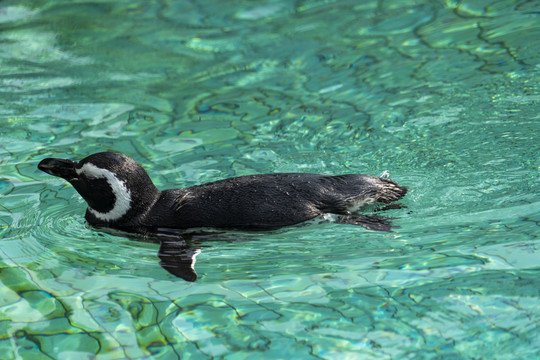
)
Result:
{"points": [[114, 185]]}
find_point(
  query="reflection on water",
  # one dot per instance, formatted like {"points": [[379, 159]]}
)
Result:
{"points": [[178, 252], [443, 95]]}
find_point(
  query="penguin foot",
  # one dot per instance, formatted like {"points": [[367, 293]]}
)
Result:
{"points": [[390, 207], [370, 222]]}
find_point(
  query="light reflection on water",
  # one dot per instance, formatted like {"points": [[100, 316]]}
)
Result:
{"points": [[444, 96]]}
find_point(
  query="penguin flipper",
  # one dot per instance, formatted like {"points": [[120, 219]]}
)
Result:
{"points": [[370, 222], [178, 258]]}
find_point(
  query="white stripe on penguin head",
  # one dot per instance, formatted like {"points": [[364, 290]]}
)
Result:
{"points": [[122, 202]]}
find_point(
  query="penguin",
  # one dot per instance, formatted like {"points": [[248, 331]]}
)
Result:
{"points": [[121, 196]]}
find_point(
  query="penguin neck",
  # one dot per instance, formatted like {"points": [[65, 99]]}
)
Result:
{"points": [[166, 210]]}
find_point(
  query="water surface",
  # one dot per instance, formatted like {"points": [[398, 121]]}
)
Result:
{"points": [[445, 96]]}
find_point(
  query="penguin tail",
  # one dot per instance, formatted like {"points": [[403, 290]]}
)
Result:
{"points": [[390, 191]]}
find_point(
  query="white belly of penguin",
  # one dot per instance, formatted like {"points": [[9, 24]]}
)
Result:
{"points": [[359, 203]]}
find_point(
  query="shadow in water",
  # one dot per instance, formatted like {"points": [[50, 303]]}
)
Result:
{"points": [[179, 248]]}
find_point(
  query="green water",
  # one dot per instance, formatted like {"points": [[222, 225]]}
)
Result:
{"points": [[443, 95]]}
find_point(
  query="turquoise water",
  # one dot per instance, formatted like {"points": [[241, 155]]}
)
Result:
{"points": [[445, 96]]}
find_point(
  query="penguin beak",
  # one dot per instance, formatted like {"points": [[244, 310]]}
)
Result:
{"points": [[63, 168]]}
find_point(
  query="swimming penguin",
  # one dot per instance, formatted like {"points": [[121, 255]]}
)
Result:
{"points": [[121, 195]]}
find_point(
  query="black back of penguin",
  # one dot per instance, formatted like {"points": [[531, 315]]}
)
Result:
{"points": [[269, 201]]}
